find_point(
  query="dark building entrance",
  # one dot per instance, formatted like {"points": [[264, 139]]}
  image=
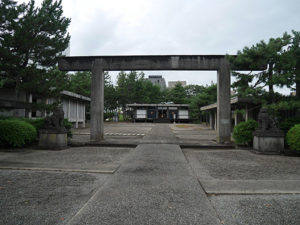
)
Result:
{"points": [[159, 113]]}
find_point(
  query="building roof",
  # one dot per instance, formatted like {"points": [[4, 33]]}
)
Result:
{"points": [[234, 100], [74, 95], [158, 105]]}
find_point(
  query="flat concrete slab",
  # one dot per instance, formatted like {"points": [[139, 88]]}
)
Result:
{"points": [[34, 197], [84, 159]]}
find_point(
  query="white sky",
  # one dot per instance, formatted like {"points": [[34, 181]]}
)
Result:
{"points": [[125, 27]]}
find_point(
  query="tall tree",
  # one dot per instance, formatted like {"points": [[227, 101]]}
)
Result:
{"points": [[177, 94], [207, 95], [291, 66], [268, 54], [80, 83], [31, 39], [132, 87]]}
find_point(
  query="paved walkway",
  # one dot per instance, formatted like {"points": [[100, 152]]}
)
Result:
{"points": [[154, 185]]}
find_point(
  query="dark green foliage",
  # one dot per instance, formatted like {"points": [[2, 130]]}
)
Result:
{"points": [[205, 96], [293, 137], [16, 133], [132, 87], [108, 115], [31, 38], [68, 126], [80, 83], [177, 94], [243, 132], [287, 124], [262, 54], [39, 123]]}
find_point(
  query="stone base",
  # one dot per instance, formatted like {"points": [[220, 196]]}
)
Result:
{"points": [[268, 145], [53, 141]]}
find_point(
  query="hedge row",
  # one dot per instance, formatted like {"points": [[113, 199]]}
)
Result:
{"points": [[16, 133]]}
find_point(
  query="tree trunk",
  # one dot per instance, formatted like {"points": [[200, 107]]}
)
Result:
{"points": [[270, 79]]}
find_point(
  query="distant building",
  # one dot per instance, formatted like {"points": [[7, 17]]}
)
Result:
{"points": [[172, 84], [158, 80], [159, 113], [19, 105]]}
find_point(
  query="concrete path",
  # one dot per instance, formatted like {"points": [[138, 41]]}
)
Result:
{"points": [[154, 185]]}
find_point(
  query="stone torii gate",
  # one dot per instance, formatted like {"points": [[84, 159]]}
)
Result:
{"points": [[99, 64]]}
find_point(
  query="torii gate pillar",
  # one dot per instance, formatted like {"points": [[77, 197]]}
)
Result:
{"points": [[223, 104], [97, 101]]}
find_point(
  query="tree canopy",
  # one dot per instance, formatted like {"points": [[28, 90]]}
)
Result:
{"points": [[281, 57], [31, 39]]}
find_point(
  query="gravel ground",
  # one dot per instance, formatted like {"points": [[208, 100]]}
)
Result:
{"points": [[31, 197], [243, 165], [81, 158], [258, 209]]}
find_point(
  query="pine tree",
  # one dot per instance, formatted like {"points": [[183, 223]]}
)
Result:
{"points": [[31, 40], [269, 54]]}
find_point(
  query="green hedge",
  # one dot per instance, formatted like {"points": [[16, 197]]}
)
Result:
{"points": [[16, 133], [243, 132], [293, 137], [287, 124], [39, 123]]}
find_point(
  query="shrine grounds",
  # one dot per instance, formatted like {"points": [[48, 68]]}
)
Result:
{"points": [[148, 174]]}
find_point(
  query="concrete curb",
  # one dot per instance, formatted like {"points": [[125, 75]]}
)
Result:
{"points": [[224, 187]]}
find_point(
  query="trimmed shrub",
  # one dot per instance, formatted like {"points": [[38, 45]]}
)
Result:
{"points": [[37, 123], [16, 133], [293, 137], [287, 124], [243, 132]]}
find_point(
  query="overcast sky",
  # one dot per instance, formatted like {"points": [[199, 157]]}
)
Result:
{"points": [[125, 27]]}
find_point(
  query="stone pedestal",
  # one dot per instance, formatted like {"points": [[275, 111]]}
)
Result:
{"points": [[271, 142], [53, 139]]}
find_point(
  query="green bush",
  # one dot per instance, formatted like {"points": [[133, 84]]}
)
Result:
{"points": [[243, 132], [16, 133], [293, 137], [68, 126], [37, 123], [287, 124]]}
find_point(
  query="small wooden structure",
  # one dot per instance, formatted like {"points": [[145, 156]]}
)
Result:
{"points": [[159, 113]]}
